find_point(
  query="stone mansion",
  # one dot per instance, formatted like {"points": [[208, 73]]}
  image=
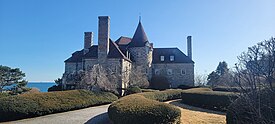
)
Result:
{"points": [[126, 53]]}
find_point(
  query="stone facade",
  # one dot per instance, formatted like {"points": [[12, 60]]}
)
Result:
{"points": [[177, 74], [119, 58]]}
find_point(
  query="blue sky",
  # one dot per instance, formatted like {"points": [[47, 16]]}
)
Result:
{"points": [[38, 35]]}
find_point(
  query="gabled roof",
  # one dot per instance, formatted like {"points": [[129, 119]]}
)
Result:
{"points": [[114, 52], [123, 40], [179, 56], [139, 39]]}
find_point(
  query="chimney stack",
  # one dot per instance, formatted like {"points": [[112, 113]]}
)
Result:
{"points": [[189, 47], [88, 41], [103, 38]]}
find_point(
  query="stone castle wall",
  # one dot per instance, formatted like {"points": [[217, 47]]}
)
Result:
{"points": [[143, 59], [73, 67], [176, 73]]}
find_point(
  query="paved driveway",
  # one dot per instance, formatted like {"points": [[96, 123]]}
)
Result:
{"points": [[92, 115]]}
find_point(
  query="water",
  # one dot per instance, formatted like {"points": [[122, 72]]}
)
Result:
{"points": [[42, 86]]}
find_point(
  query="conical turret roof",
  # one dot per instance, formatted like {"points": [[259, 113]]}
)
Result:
{"points": [[139, 39]]}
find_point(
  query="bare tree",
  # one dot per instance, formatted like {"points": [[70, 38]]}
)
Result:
{"points": [[138, 77], [254, 75], [97, 79], [200, 79]]}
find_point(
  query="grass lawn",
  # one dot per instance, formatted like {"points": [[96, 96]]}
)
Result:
{"points": [[195, 115]]}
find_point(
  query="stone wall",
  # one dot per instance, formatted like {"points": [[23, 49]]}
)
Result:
{"points": [[125, 71], [143, 59], [176, 73], [89, 63], [71, 67]]}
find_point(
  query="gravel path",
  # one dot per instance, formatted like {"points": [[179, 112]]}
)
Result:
{"points": [[92, 115]]}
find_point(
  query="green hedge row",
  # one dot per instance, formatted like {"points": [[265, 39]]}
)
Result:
{"points": [[36, 104], [136, 109], [213, 100], [4, 95]]}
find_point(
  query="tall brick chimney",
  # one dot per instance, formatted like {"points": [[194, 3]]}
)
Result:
{"points": [[189, 47], [88, 41], [103, 38]]}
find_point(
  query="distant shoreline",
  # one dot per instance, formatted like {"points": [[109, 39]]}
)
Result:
{"points": [[41, 82]]}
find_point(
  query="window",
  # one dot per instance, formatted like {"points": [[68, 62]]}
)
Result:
{"points": [[172, 58], [183, 71], [157, 71], [162, 58], [169, 71]]}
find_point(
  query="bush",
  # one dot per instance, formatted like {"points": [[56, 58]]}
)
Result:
{"points": [[55, 88], [213, 100], [136, 109], [163, 95], [159, 83], [199, 89], [184, 87], [148, 90], [2, 95], [36, 104], [132, 90], [242, 111]]}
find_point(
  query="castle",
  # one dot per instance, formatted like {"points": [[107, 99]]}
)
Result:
{"points": [[126, 53]]}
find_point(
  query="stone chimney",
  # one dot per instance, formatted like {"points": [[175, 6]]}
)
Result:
{"points": [[189, 47], [103, 38], [88, 41]]}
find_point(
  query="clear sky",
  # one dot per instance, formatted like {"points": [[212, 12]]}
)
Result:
{"points": [[38, 35]]}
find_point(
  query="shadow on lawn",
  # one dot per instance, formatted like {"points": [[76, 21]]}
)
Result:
{"points": [[184, 106], [100, 119]]}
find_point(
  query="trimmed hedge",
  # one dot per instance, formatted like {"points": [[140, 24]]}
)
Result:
{"points": [[133, 90], [163, 95], [243, 112], [148, 90], [36, 104], [136, 109], [4, 95], [213, 100]]}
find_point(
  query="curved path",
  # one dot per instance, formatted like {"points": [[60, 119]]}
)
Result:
{"points": [[98, 115], [91, 115]]}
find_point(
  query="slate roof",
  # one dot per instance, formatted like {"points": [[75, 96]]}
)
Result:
{"points": [[114, 52], [119, 48], [179, 56], [139, 39], [123, 40]]}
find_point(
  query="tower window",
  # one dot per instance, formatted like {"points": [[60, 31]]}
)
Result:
{"points": [[157, 71], [172, 58], [162, 58], [183, 71]]}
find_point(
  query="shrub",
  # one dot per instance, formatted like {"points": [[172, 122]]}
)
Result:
{"points": [[243, 111], [159, 83], [4, 95], [136, 109], [148, 90], [132, 90], [184, 87], [199, 89], [163, 95], [55, 88], [36, 104], [213, 100]]}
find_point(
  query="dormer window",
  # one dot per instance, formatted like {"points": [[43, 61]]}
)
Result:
{"points": [[172, 58], [162, 58]]}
